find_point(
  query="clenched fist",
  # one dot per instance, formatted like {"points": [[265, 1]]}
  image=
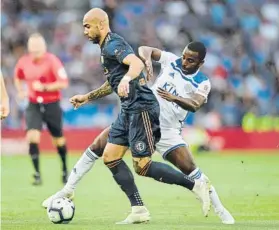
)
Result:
{"points": [[79, 100]]}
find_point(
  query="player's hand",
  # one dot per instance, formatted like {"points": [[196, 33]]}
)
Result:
{"points": [[38, 86], [124, 87], [79, 100], [4, 109], [165, 94], [149, 69]]}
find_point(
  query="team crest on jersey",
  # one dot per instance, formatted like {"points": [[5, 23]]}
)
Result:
{"points": [[140, 146], [142, 81], [188, 88]]}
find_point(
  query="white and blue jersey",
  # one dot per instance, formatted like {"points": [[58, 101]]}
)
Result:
{"points": [[173, 80]]}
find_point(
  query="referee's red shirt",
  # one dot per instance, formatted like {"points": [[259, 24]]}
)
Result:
{"points": [[47, 70]]}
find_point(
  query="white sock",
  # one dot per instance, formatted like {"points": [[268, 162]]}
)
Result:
{"points": [[84, 164], [196, 174], [215, 200]]}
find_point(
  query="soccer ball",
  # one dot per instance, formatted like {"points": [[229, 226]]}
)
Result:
{"points": [[61, 211]]}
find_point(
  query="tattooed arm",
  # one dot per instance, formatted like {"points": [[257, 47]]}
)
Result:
{"points": [[102, 91]]}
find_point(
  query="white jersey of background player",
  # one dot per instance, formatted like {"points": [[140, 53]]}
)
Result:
{"points": [[179, 88], [173, 80]]}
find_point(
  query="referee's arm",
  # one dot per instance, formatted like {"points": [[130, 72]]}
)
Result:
{"points": [[60, 75]]}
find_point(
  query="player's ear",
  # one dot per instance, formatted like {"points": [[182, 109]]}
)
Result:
{"points": [[101, 25], [201, 63]]}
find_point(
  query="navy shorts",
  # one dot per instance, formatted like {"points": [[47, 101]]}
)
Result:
{"points": [[140, 131]]}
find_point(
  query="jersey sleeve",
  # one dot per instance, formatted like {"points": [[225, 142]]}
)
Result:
{"points": [[58, 69], [166, 58], [204, 89], [119, 50], [18, 71]]}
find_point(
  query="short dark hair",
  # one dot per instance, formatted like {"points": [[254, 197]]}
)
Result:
{"points": [[199, 48]]}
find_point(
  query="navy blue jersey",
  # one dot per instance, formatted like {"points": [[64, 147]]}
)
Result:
{"points": [[113, 51]]}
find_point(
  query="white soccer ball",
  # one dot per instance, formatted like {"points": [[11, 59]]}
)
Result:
{"points": [[61, 211]]}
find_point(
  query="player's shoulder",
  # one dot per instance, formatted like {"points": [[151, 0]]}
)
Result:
{"points": [[169, 55], [201, 77], [114, 43], [112, 40], [168, 58]]}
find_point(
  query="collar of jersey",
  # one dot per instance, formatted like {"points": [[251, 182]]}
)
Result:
{"points": [[107, 37], [177, 66]]}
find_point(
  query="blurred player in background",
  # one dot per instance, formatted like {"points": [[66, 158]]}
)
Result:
{"points": [[5, 106], [137, 125], [45, 77]]}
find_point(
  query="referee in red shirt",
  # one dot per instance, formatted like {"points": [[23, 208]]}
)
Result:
{"points": [[45, 76]]}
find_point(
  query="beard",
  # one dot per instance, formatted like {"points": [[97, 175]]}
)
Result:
{"points": [[190, 70], [95, 40]]}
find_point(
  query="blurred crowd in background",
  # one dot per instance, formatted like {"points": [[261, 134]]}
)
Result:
{"points": [[241, 36]]}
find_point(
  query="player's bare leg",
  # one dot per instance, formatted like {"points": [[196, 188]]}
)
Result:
{"points": [[33, 138], [60, 144], [183, 160], [81, 168], [164, 173], [124, 178]]}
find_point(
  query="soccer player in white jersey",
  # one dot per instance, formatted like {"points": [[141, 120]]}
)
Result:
{"points": [[179, 88]]}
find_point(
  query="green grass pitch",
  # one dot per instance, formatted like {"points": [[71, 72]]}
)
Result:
{"points": [[247, 184]]}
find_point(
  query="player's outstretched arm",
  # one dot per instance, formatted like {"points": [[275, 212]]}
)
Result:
{"points": [[102, 91], [190, 104], [147, 54], [135, 68], [5, 106]]}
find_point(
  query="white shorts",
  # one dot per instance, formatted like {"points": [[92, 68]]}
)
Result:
{"points": [[170, 139]]}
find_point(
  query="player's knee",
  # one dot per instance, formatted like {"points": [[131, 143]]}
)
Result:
{"points": [[33, 136], [97, 148], [59, 141], [141, 165], [106, 158], [113, 152]]}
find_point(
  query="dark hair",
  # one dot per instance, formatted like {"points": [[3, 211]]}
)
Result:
{"points": [[199, 48]]}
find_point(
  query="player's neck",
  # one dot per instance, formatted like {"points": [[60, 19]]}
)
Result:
{"points": [[103, 37]]}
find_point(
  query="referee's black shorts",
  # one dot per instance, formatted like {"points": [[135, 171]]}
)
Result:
{"points": [[50, 113]]}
